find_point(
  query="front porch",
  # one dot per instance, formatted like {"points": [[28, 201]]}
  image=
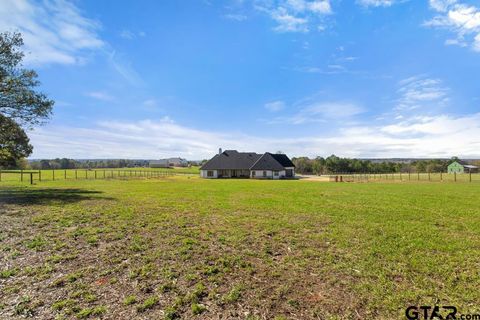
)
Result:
{"points": [[233, 173]]}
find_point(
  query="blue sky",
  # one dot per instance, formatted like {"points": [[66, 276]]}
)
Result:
{"points": [[150, 79]]}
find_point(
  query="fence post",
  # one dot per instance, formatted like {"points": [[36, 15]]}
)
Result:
{"points": [[53, 174], [441, 176], [95, 174], [31, 177], [470, 173], [429, 176], [86, 174], [0, 175], [21, 175], [76, 174], [455, 177], [65, 174], [39, 175], [103, 174], [418, 176]]}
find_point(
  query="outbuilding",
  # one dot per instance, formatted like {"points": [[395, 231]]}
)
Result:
{"points": [[461, 167]]}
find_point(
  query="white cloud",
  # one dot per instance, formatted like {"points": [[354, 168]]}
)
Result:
{"points": [[377, 3], [121, 65], [295, 15], [436, 136], [441, 5], [287, 22], [311, 112], [461, 19], [100, 95], [275, 106], [53, 31], [318, 6], [419, 92], [235, 17], [130, 35], [150, 103]]}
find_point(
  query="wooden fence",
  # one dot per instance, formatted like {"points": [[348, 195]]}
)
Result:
{"points": [[406, 177], [76, 174]]}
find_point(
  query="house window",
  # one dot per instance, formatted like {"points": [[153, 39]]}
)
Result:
{"points": [[209, 173], [253, 173], [275, 173], [264, 173]]}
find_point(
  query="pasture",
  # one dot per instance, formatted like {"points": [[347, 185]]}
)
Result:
{"points": [[187, 248]]}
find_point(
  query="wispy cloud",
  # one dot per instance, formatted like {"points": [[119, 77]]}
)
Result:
{"points": [[378, 3], [53, 31], [130, 35], [436, 136], [311, 112], [100, 95], [420, 92], [235, 17], [295, 15], [460, 19], [121, 65], [275, 106]]}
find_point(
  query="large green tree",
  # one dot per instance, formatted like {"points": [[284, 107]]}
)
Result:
{"points": [[21, 104], [14, 143]]}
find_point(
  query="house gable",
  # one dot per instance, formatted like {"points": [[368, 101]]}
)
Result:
{"points": [[267, 162]]}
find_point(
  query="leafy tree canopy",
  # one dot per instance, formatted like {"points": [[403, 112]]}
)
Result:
{"points": [[14, 143], [18, 99]]}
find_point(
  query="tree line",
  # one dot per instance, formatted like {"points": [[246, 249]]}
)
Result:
{"points": [[65, 163], [334, 164]]}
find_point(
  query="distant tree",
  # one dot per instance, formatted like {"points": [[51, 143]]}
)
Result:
{"points": [[22, 164], [14, 143]]}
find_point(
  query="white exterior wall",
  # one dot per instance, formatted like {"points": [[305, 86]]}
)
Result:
{"points": [[270, 175], [203, 174]]}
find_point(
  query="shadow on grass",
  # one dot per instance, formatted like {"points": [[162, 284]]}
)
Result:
{"points": [[46, 196]]}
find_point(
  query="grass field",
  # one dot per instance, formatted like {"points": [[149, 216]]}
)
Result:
{"points": [[183, 247], [78, 174]]}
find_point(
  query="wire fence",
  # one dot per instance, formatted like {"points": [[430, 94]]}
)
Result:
{"points": [[32, 176], [406, 177]]}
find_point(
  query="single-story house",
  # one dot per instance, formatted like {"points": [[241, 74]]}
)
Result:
{"points": [[461, 167], [170, 162], [234, 164], [162, 163]]}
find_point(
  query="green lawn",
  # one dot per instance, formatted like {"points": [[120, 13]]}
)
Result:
{"points": [[100, 173], [183, 247]]}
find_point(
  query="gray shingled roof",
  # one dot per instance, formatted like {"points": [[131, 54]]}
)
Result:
{"points": [[283, 159], [231, 159], [267, 162]]}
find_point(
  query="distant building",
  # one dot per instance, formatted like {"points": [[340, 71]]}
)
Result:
{"points": [[163, 163], [167, 163], [178, 162], [460, 167], [234, 164]]}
